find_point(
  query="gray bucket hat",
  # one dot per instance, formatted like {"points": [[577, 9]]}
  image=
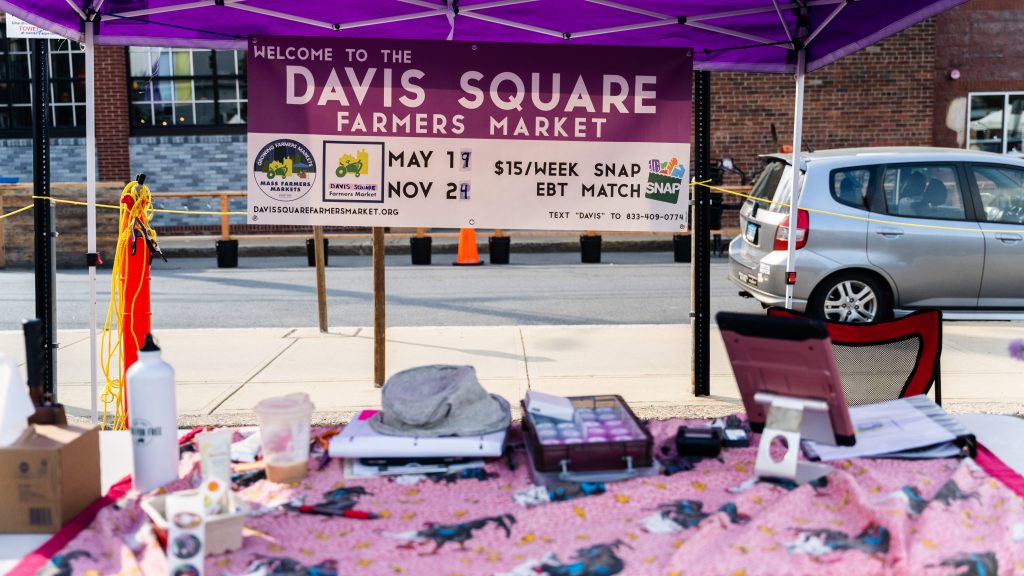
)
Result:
{"points": [[439, 400]]}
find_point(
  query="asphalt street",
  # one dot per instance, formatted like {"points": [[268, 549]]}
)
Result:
{"points": [[538, 289]]}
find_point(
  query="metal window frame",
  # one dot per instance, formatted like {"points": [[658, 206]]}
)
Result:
{"points": [[1006, 102], [9, 104], [218, 127]]}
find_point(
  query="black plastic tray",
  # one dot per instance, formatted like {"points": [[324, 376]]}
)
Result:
{"points": [[588, 457]]}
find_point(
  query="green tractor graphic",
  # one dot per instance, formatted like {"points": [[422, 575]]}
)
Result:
{"points": [[282, 169], [349, 168], [355, 165]]}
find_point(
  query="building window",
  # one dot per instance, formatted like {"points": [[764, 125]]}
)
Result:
{"points": [[994, 122], [182, 87], [67, 84]]}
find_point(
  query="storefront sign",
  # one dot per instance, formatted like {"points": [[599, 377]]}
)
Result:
{"points": [[359, 132], [18, 28]]}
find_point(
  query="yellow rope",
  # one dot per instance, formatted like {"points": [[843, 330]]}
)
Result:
{"points": [[851, 217], [111, 348], [162, 210], [19, 210], [704, 184]]}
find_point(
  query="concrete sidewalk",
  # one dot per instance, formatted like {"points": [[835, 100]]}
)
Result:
{"points": [[222, 373]]}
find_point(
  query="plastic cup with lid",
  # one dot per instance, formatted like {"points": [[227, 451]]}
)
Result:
{"points": [[284, 432]]}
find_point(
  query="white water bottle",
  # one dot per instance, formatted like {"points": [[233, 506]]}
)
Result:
{"points": [[153, 419]]}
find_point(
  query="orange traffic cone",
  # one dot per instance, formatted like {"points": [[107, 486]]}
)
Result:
{"points": [[468, 255]]}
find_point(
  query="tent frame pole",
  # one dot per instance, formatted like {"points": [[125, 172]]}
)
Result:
{"points": [[90, 199], [45, 229], [700, 263], [794, 196]]}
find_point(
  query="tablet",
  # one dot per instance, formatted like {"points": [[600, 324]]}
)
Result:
{"points": [[786, 356]]}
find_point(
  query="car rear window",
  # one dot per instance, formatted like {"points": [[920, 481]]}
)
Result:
{"points": [[850, 186], [768, 182], [773, 185]]}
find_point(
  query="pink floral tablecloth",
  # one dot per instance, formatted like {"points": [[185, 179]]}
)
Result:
{"points": [[937, 517]]}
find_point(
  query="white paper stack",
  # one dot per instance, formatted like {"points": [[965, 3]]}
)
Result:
{"points": [[359, 440], [904, 428]]}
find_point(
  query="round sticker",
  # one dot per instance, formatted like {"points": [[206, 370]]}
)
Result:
{"points": [[186, 546], [186, 570], [284, 170], [187, 520]]}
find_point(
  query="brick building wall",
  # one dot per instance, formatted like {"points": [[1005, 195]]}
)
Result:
{"points": [[17, 240], [67, 157], [981, 40], [191, 163], [880, 96], [112, 114]]}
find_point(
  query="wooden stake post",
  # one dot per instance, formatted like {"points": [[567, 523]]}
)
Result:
{"points": [[321, 277]]}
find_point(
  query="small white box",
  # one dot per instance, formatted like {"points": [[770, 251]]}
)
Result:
{"points": [[549, 405]]}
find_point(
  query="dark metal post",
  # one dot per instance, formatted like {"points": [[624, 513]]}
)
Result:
{"points": [[700, 313], [45, 230]]}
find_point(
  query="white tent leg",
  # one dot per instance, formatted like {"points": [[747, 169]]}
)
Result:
{"points": [[90, 198], [794, 198]]}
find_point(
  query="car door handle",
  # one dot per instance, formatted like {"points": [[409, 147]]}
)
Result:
{"points": [[1006, 238], [889, 232]]}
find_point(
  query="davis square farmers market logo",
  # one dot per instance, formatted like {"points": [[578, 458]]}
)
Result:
{"points": [[284, 170]]}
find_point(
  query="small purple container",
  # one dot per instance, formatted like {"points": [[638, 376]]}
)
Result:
{"points": [[623, 438], [618, 431], [571, 434], [572, 441], [546, 434], [597, 439], [613, 424]]}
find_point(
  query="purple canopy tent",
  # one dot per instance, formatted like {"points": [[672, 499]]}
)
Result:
{"points": [[735, 35]]}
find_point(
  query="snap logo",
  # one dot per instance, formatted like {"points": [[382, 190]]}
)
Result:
{"points": [[665, 180]]}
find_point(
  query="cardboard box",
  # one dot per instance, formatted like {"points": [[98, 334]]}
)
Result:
{"points": [[48, 477]]}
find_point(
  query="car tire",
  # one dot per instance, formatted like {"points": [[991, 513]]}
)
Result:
{"points": [[851, 297]]}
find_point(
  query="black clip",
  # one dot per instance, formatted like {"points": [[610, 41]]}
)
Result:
{"points": [[135, 234], [154, 248], [92, 259]]}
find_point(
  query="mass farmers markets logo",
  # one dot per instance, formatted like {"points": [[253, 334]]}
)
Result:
{"points": [[284, 170], [665, 180]]}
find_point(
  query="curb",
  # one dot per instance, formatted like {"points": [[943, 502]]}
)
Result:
{"points": [[365, 249]]}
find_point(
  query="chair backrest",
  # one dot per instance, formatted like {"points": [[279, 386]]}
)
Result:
{"points": [[886, 360]]}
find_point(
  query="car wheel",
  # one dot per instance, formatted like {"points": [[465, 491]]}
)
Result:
{"points": [[851, 297]]}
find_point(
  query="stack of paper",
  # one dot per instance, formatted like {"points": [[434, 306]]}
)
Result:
{"points": [[355, 468], [359, 440], [906, 428]]}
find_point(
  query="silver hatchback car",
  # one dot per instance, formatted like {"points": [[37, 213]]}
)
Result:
{"points": [[886, 229]]}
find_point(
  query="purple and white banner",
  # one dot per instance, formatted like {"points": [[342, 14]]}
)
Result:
{"points": [[403, 133]]}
